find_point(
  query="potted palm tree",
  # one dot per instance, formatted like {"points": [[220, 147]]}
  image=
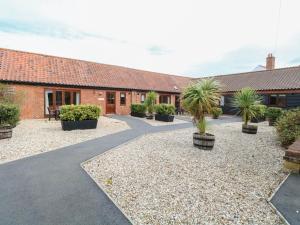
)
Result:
{"points": [[244, 100], [199, 99], [150, 103]]}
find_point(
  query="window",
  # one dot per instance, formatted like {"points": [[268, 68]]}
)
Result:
{"points": [[122, 98], [56, 98], [222, 101], [67, 98], [166, 99], [75, 99], [281, 100], [143, 96], [278, 100]]}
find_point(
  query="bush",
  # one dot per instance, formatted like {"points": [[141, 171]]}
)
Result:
{"points": [[138, 108], [260, 111], [216, 112], [79, 112], [165, 109], [9, 114], [288, 127], [273, 113]]}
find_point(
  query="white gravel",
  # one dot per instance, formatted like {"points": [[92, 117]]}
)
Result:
{"points": [[162, 179], [31, 137]]}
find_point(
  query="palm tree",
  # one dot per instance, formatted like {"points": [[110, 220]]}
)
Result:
{"points": [[245, 99], [199, 99], [150, 101]]}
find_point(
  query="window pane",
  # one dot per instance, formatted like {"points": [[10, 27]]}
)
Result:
{"points": [[74, 98], [48, 100], [123, 99], [77, 98], [67, 98], [273, 99], [110, 98], [142, 98], [282, 100], [58, 98]]}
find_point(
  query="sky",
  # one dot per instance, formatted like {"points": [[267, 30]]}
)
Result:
{"points": [[191, 37]]}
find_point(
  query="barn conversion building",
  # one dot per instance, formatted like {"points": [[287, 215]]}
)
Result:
{"points": [[50, 81]]}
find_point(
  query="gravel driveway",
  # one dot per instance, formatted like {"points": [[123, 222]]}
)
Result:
{"points": [[32, 137], [162, 179]]}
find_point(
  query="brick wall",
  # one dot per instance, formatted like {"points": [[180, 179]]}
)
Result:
{"points": [[33, 106]]}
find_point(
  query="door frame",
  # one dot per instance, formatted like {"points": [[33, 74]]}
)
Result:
{"points": [[106, 102]]}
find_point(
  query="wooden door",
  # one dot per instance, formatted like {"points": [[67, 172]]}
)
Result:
{"points": [[110, 102]]}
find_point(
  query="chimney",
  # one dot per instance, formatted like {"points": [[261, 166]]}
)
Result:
{"points": [[270, 62]]}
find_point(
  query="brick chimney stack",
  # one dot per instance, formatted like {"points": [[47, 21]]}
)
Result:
{"points": [[270, 62]]}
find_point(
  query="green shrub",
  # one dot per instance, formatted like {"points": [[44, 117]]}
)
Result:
{"points": [[273, 113], [260, 110], [138, 108], [288, 127], [165, 109], [79, 112], [216, 112], [9, 114]]}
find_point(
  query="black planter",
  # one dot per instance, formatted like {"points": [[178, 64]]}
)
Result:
{"points": [[149, 117], [5, 132], [249, 129], [79, 125], [215, 117], [164, 118], [204, 141], [137, 114]]}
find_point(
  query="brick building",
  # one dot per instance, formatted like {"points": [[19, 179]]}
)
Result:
{"points": [[277, 87], [50, 81]]}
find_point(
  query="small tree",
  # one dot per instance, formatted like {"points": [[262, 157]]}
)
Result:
{"points": [[245, 99], [150, 101], [200, 98], [11, 96]]}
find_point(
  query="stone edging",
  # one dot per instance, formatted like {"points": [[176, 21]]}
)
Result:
{"points": [[271, 204]]}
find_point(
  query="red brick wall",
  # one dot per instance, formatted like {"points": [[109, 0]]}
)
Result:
{"points": [[33, 105]]}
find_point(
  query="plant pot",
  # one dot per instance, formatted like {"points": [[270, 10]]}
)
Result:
{"points": [[204, 141], [149, 117], [164, 118], [79, 125], [5, 131], [215, 117], [136, 114], [249, 129]]}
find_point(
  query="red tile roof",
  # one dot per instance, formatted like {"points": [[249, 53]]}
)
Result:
{"points": [[276, 79], [27, 67]]}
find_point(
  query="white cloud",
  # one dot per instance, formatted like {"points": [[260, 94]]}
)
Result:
{"points": [[183, 34]]}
